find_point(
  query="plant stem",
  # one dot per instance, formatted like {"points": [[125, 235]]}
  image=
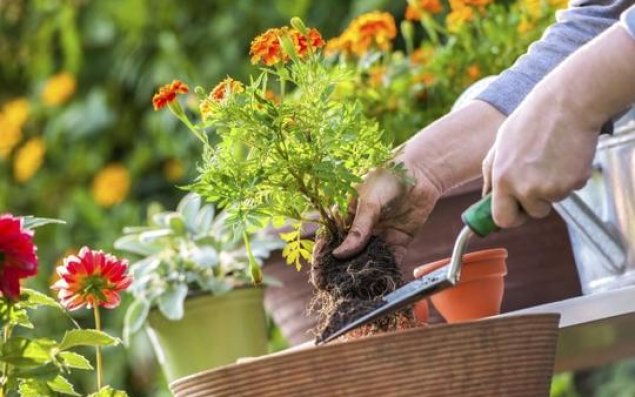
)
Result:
{"points": [[6, 334], [98, 359]]}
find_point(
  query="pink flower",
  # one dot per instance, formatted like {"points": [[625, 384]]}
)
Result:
{"points": [[92, 278]]}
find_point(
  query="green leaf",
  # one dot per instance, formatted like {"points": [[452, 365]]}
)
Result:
{"points": [[172, 301], [136, 316], [33, 299], [109, 392], [34, 388], [62, 385], [31, 222], [44, 372], [22, 352], [189, 207], [86, 337], [74, 360]]}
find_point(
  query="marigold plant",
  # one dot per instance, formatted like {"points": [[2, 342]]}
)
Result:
{"points": [[285, 158]]}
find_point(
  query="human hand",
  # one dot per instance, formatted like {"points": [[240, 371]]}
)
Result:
{"points": [[389, 208], [445, 154], [543, 151]]}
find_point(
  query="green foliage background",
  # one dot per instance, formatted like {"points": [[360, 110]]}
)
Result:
{"points": [[120, 51]]}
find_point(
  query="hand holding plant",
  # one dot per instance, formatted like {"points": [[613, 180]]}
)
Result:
{"points": [[285, 158]]}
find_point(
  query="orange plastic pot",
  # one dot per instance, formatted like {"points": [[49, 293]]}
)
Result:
{"points": [[479, 292]]}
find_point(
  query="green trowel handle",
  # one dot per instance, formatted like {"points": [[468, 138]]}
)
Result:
{"points": [[479, 217]]}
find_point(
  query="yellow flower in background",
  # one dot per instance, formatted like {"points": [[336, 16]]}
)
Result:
{"points": [[458, 18], [16, 112], [173, 170], [28, 159], [525, 26], [111, 185], [533, 8], [58, 89], [559, 4], [12, 118], [10, 136]]}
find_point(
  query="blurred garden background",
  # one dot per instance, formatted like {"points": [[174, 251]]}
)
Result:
{"points": [[79, 139]]}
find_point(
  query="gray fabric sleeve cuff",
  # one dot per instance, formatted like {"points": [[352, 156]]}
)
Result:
{"points": [[575, 26], [628, 21]]}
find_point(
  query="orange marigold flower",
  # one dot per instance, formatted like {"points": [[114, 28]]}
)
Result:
{"points": [[167, 94], [416, 9], [92, 279], [371, 30], [302, 42], [473, 72], [225, 88], [266, 48], [421, 56], [457, 18]]}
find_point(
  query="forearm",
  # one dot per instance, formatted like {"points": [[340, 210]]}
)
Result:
{"points": [[597, 81], [575, 26], [450, 151]]}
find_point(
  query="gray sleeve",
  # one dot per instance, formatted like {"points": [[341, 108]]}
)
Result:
{"points": [[581, 22], [628, 20]]}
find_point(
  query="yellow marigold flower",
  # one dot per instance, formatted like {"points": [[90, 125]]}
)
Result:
{"points": [[10, 136], [111, 185], [480, 4], [473, 72], [28, 159], [559, 4], [173, 170], [416, 9], [58, 89], [525, 26], [533, 8], [16, 112], [458, 18]]}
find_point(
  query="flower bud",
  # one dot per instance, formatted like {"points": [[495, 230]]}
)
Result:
{"points": [[298, 25]]}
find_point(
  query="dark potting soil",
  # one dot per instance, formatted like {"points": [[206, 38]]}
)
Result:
{"points": [[347, 289]]}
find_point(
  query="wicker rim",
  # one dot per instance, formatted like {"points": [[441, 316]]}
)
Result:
{"points": [[511, 356]]}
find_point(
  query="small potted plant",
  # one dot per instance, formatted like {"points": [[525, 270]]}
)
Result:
{"points": [[287, 156], [193, 283]]}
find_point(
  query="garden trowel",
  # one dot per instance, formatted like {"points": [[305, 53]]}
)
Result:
{"points": [[478, 221]]}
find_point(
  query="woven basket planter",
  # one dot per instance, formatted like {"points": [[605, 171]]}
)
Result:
{"points": [[510, 356]]}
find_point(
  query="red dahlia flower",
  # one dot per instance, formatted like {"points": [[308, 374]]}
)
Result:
{"points": [[92, 278], [17, 255]]}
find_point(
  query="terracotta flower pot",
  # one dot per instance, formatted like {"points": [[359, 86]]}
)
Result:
{"points": [[479, 292]]}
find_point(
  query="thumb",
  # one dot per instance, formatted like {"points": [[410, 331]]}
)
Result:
{"points": [[366, 216], [487, 165]]}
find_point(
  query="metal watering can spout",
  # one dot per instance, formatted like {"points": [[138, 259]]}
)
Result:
{"points": [[605, 242]]}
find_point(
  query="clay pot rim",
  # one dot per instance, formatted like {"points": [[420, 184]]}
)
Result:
{"points": [[496, 269]]}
